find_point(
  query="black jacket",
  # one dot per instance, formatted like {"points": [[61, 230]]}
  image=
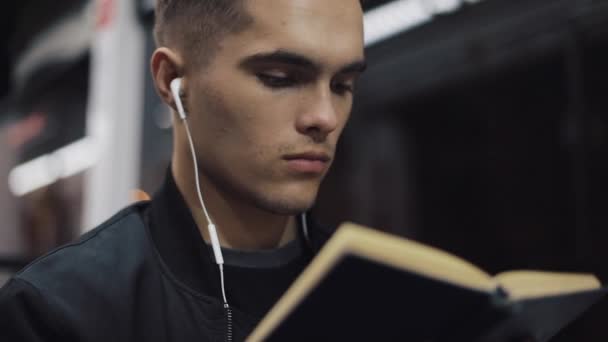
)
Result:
{"points": [[134, 278]]}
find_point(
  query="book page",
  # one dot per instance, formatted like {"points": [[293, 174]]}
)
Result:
{"points": [[531, 284]]}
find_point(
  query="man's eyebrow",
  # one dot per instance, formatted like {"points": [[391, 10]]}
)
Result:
{"points": [[355, 67], [291, 58], [281, 57]]}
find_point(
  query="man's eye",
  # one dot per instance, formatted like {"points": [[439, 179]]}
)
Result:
{"points": [[274, 81], [342, 88]]}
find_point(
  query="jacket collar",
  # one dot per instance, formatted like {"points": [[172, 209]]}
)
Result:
{"points": [[183, 250]]}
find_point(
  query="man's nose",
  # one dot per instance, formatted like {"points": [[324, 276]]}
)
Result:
{"points": [[319, 116]]}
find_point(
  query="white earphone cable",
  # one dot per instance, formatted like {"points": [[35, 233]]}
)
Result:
{"points": [[196, 178], [215, 243]]}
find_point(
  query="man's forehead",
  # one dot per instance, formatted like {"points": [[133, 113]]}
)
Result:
{"points": [[341, 15], [327, 32], [314, 7]]}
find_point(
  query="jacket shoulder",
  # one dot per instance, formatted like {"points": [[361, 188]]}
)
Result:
{"points": [[114, 248], [83, 289]]}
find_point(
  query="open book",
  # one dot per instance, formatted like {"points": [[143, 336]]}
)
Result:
{"points": [[365, 285]]}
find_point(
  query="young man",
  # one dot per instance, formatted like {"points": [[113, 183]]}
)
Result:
{"points": [[266, 87]]}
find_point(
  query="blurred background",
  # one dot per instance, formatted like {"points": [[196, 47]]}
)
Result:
{"points": [[480, 127]]}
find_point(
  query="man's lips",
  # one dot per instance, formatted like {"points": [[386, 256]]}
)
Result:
{"points": [[308, 162]]}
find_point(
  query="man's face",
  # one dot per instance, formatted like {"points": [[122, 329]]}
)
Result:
{"points": [[266, 112]]}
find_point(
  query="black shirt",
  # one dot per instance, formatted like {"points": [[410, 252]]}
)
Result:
{"points": [[147, 275], [256, 280]]}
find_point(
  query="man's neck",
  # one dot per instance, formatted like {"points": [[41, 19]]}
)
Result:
{"points": [[239, 225]]}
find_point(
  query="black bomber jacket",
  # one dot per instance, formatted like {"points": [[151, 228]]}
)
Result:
{"points": [[133, 278]]}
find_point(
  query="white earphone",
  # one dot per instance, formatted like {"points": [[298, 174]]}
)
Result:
{"points": [[176, 87]]}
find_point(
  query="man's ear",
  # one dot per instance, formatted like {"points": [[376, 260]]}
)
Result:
{"points": [[166, 65]]}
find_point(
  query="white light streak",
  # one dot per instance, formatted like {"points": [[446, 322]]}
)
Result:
{"points": [[49, 168], [388, 20]]}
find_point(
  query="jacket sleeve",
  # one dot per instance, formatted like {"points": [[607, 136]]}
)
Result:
{"points": [[25, 315]]}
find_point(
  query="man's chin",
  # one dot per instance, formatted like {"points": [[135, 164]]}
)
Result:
{"points": [[288, 208], [285, 206], [288, 199]]}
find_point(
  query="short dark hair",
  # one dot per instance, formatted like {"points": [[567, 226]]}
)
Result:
{"points": [[197, 26]]}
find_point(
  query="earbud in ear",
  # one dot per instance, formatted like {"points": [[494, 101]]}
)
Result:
{"points": [[176, 86]]}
